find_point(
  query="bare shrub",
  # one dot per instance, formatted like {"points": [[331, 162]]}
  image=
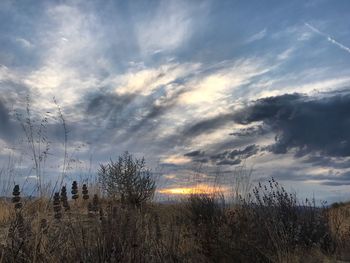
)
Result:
{"points": [[276, 225], [127, 179]]}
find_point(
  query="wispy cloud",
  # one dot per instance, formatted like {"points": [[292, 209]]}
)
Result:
{"points": [[163, 78], [24, 42], [328, 37], [166, 30], [260, 35]]}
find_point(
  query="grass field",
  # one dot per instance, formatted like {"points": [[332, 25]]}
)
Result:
{"points": [[269, 225]]}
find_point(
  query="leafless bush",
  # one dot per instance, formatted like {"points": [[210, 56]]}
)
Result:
{"points": [[128, 179], [277, 224]]}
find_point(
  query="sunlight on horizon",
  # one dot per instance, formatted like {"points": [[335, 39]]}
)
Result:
{"points": [[197, 189]]}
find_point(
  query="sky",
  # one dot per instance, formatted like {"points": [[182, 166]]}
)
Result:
{"points": [[199, 88]]}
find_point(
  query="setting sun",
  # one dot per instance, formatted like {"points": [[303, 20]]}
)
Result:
{"points": [[197, 189]]}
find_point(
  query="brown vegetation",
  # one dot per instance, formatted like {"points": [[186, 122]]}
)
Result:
{"points": [[267, 226]]}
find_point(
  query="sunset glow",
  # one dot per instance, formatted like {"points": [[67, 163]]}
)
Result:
{"points": [[197, 88], [198, 189]]}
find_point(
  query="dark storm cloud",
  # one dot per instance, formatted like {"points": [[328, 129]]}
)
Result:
{"points": [[268, 109], [235, 156], [194, 153], [307, 124]]}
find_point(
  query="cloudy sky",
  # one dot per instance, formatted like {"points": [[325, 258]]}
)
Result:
{"points": [[197, 87]]}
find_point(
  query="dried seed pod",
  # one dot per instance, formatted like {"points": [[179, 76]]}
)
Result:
{"points": [[21, 225], [63, 194], [64, 198], [75, 190], [16, 191], [56, 200], [66, 206], [85, 192], [43, 226], [95, 203], [101, 214], [16, 199], [57, 206]]}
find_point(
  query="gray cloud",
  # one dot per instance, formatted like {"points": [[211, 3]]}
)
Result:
{"points": [[295, 174], [229, 162], [244, 153], [201, 160], [316, 127], [72, 48], [197, 156], [325, 161], [156, 105], [341, 179], [207, 125], [230, 157], [267, 109], [308, 124], [194, 153], [5, 128], [130, 121], [235, 156], [251, 131], [103, 103], [335, 183]]}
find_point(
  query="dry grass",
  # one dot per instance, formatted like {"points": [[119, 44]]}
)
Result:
{"points": [[5, 208], [200, 229]]}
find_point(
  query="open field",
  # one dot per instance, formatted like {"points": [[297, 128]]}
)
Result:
{"points": [[200, 228], [174, 131]]}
